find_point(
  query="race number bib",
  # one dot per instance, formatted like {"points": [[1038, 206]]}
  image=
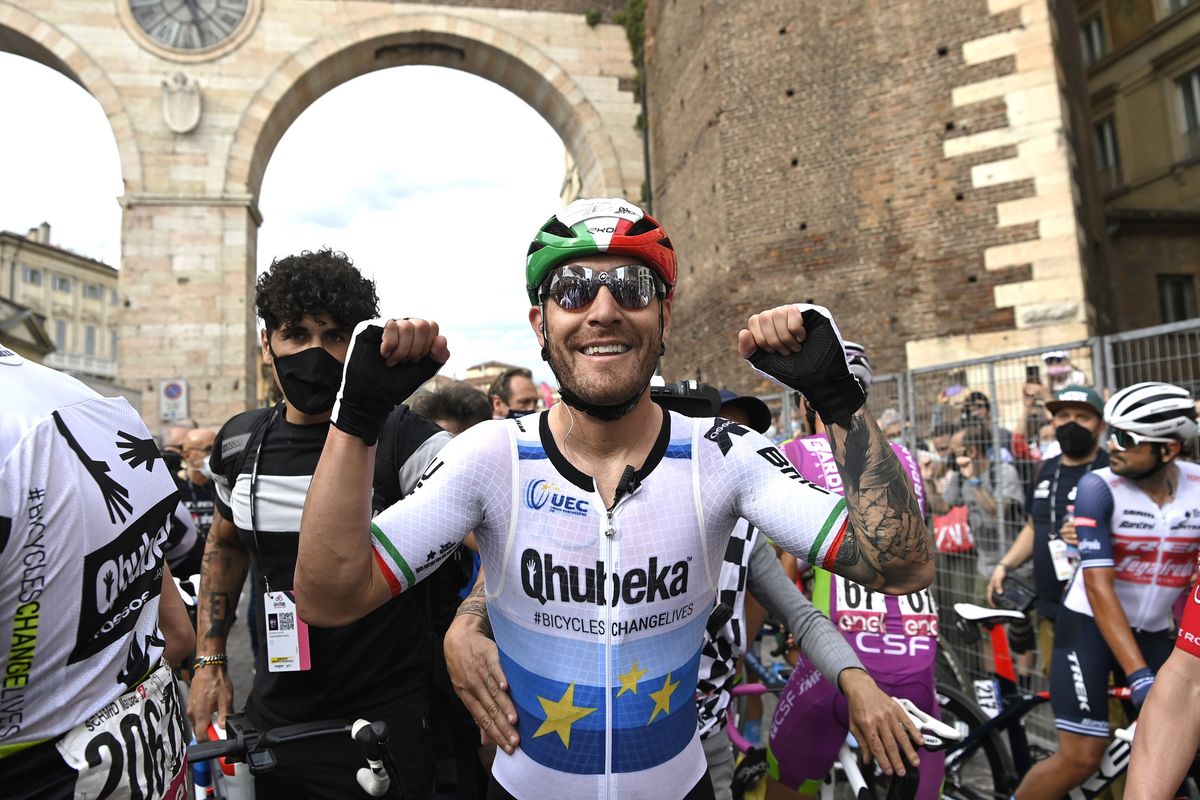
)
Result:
{"points": [[132, 747], [859, 610], [919, 614]]}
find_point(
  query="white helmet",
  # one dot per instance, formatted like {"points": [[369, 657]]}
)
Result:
{"points": [[860, 365], [1153, 409]]}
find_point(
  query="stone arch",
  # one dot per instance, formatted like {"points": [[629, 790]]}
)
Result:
{"points": [[440, 39], [25, 34]]}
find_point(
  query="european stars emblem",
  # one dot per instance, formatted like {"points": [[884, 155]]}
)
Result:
{"points": [[561, 715], [662, 698], [629, 680]]}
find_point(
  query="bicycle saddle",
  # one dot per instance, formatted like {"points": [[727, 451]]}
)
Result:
{"points": [[987, 616]]}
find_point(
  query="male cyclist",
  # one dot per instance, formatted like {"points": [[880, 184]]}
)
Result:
{"points": [[87, 506], [896, 638], [602, 523], [1138, 539]]}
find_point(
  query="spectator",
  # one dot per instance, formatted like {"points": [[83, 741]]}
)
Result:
{"points": [[893, 426], [935, 465], [1061, 373], [454, 406], [978, 408], [1049, 526], [173, 443], [195, 479], [86, 658], [513, 394]]}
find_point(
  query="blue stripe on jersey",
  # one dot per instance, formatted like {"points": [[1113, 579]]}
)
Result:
{"points": [[578, 661], [681, 449], [530, 450], [562, 724]]}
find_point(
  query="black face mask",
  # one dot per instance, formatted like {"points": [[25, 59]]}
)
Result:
{"points": [[1076, 440], [310, 379]]}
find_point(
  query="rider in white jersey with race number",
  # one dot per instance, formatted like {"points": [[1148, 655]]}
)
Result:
{"points": [[602, 523]]}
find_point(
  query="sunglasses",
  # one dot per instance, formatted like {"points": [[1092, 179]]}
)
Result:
{"points": [[573, 287], [1123, 440]]}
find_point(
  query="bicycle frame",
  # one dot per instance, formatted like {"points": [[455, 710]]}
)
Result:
{"points": [[1002, 700]]}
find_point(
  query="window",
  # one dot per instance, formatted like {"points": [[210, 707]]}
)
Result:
{"points": [[1189, 94], [1091, 32], [60, 334], [92, 292], [1176, 5], [61, 284], [112, 344], [112, 297], [1108, 157], [1177, 297], [89, 340], [31, 276]]}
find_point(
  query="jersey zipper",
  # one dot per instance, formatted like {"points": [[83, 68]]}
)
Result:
{"points": [[608, 532], [1165, 531]]}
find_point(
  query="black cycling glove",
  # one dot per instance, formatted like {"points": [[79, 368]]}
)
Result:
{"points": [[370, 388], [819, 371]]}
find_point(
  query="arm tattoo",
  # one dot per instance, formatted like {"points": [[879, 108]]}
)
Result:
{"points": [[218, 615], [222, 573], [476, 604], [887, 532]]}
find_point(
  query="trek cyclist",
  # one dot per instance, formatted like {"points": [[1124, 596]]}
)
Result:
{"points": [[895, 637], [1138, 539], [602, 522], [93, 622]]}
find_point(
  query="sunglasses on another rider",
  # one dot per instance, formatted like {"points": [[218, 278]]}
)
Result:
{"points": [[573, 287], [1123, 440]]}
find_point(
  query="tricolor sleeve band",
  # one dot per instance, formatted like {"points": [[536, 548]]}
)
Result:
{"points": [[395, 569], [830, 538]]}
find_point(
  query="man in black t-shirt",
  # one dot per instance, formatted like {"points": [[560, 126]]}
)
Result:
{"points": [[1049, 533], [262, 463]]}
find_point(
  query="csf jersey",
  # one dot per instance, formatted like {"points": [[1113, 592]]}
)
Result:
{"points": [[1151, 549], [86, 509], [894, 634], [599, 613]]}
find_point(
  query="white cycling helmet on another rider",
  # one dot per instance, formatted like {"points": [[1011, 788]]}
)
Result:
{"points": [[1159, 410], [860, 365]]}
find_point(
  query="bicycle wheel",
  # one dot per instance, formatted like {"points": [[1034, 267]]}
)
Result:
{"points": [[980, 770]]}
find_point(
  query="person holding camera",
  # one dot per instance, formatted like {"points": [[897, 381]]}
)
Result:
{"points": [[1049, 536]]}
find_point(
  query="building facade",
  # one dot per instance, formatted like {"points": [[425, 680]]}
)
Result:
{"points": [[1143, 81]]}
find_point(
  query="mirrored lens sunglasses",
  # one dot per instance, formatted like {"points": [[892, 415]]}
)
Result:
{"points": [[1123, 440], [573, 287]]}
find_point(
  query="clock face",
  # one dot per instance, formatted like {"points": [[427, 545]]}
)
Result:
{"points": [[189, 24]]}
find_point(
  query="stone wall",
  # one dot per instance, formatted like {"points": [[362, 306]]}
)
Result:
{"points": [[905, 164]]}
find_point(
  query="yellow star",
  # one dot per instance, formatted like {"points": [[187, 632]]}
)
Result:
{"points": [[662, 698], [629, 680], [561, 715]]}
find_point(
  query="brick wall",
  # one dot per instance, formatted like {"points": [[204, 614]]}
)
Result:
{"points": [[797, 153]]}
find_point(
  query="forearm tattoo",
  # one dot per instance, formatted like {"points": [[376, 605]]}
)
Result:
{"points": [[887, 532], [476, 604], [221, 578]]}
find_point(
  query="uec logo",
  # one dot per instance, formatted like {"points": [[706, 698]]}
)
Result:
{"points": [[539, 492]]}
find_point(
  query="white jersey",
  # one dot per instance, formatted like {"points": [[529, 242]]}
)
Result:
{"points": [[599, 614], [86, 503]]}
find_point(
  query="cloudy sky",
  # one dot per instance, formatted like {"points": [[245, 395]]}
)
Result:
{"points": [[432, 180]]}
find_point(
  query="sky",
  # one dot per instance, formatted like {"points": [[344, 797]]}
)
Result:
{"points": [[433, 181]]}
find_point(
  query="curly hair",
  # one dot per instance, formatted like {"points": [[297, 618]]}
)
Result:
{"points": [[310, 283]]}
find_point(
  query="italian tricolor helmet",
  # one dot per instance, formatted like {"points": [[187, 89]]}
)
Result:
{"points": [[600, 225]]}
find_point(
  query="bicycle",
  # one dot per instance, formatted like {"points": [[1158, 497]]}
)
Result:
{"points": [[864, 786], [242, 744], [980, 766]]}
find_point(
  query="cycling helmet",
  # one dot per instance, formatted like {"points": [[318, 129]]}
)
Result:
{"points": [[1153, 409], [601, 225], [860, 365]]}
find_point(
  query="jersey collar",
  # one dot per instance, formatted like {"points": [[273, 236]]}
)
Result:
{"points": [[583, 480]]}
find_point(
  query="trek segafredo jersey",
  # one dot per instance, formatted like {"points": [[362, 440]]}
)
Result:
{"points": [[599, 614], [1152, 550]]}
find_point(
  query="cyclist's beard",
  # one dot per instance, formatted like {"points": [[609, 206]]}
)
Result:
{"points": [[605, 394], [1146, 473]]}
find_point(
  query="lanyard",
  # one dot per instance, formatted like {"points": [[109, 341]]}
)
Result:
{"points": [[1053, 532], [254, 489]]}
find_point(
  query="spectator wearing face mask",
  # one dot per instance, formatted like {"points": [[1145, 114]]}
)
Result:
{"points": [[513, 394]]}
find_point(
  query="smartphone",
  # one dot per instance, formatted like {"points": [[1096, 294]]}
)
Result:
{"points": [[956, 389], [1033, 374]]}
